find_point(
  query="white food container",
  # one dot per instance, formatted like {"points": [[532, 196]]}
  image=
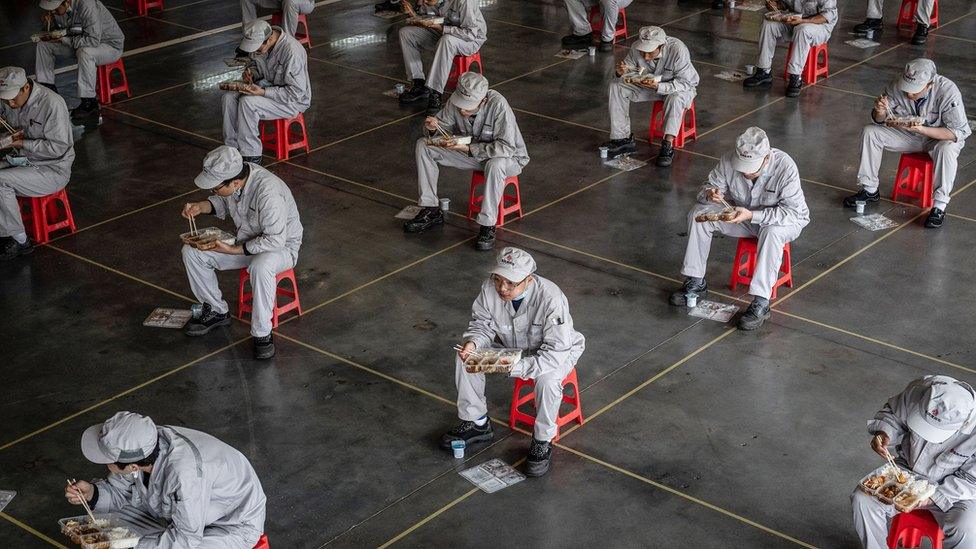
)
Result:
{"points": [[492, 361], [204, 239], [107, 533]]}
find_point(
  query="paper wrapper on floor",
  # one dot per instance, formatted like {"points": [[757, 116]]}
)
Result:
{"points": [[233, 85], [441, 141], [724, 215], [7, 138], [493, 361], [206, 239]]}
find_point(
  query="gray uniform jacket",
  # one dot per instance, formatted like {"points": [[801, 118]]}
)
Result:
{"points": [[809, 8], [951, 465], [97, 24], [542, 326], [285, 67], [941, 108], [494, 131], [462, 18], [674, 66], [47, 129], [775, 197], [197, 481], [264, 212]]}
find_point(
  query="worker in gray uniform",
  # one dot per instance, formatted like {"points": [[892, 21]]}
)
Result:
{"points": [[269, 234], [279, 87], [518, 309], [931, 427], [38, 157], [496, 148], [176, 487], [289, 9], [919, 91], [100, 43], [581, 36], [654, 53], [762, 184], [811, 28], [923, 17], [463, 32]]}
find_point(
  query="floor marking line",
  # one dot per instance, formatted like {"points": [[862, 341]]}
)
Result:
{"points": [[740, 117], [163, 124], [32, 531], [429, 518], [120, 216], [333, 63], [547, 31], [514, 78]]}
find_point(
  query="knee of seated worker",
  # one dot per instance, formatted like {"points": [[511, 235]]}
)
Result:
{"points": [[609, 5], [549, 383], [862, 503], [494, 168], [422, 149], [262, 266], [873, 132], [289, 5], [806, 31], [85, 54], [961, 523], [775, 234], [230, 98], [190, 253], [249, 102], [943, 148]]}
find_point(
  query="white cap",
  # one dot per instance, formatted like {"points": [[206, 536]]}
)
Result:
{"points": [[471, 89], [50, 5], [650, 39], [219, 165], [751, 149], [11, 80], [125, 437], [946, 407], [917, 74], [255, 33], [514, 264]]}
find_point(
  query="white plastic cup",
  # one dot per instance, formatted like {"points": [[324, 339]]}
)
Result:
{"points": [[400, 88], [859, 206], [750, 70], [458, 447], [691, 299], [604, 152], [592, 50], [445, 204]]}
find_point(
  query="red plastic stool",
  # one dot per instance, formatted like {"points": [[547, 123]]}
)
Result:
{"points": [[575, 414], [141, 7], [244, 298], [813, 67], [284, 140], [906, 15], [596, 23], [303, 37], [463, 64], [688, 129], [263, 542], [103, 85], [511, 203], [745, 265], [52, 218], [914, 178], [910, 528]]}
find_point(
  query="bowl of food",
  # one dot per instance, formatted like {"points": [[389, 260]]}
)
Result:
{"points": [[448, 140], [724, 215], [233, 85], [904, 121], [206, 239]]}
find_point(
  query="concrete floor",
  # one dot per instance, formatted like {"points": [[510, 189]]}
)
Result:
{"points": [[697, 435]]}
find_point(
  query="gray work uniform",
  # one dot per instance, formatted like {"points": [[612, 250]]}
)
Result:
{"points": [[779, 212], [677, 88], [579, 16], [290, 10], [201, 494], [465, 31], [286, 93], [100, 44], [543, 328], [923, 11], [268, 226], [803, 36], [497, 149], [49, 149], [941, 108], [951, 465]]}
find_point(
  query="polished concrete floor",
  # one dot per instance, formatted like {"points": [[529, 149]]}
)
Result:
{"points": [[697, 435]]}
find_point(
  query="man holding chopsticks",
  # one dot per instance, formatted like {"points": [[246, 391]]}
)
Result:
{"points": [[518, 309], [931, 424]]}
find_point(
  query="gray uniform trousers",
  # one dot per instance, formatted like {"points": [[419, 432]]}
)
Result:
{"points": [[202, 267], [622, 95], [214, 536], [88, 61], [945, 155], [579, 16], [23, 181], [769, 255], [290, 10], [429, 160], [242, 117], [871, 522], [803, 37], [445, 46], [923, 12]]}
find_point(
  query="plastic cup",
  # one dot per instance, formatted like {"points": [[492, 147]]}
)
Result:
{"points": [[445, 204], [458, 447], [869, 34], [691, 299], [750, 70], [400, 88], [604, 151], [592, 50], [859, 206]]}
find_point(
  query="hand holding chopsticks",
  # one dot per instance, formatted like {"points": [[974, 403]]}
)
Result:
{"points": [[81, 498], [193, 224], [471, 352]]}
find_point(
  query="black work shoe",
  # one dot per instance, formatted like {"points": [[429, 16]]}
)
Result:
{"points": [[851, 201], [577, 41], [762, 78], [539, 460], [417, 93], [51, 87], [666, 154], [486, 239], [434, 103], [469, 432], [718, 4], [605, 46], [935, 219], [794, 85], [252, 159], [426, 218], [755, 315], [617, 147], [921, 34], [263, 347], [868, 25], [691, 285], [11, 249], [386, 5], [208, 321], [86, 110]]}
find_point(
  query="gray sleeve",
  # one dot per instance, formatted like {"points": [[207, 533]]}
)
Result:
{"points": [[685, 75], [57, 140], [504, 145], [892, 419], [954, 116], [469, 29], [557, 343], [718, 178], [114, 492], [273, 218], [792, 206], [960, 485], [296, 82], [91, 26], [219, 206], [828, 8], [481, 329]]}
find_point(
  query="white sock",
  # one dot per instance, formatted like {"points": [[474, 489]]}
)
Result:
{"points": [[20, 238], [480, 422]]}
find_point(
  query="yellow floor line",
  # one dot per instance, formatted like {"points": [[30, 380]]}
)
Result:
{"points": [[127, 214], [158, 123], [429, 518], [34, 532], [122, 274]]}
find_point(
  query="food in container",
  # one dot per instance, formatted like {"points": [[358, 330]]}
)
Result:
{"points": [[638, 78], [904, 121], [492, 361], [56, 34], [724, 215], [104, 533], [429, 19], [233, 85], [445, 141], [7, 138], [781, 16], [916, 492], [206, 239]]}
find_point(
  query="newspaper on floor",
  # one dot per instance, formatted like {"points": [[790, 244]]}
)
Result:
{"points": [[571, 54], [409, 212], [731, 76], [713, 310], [163, 317], [625, 162], [5, 497], [862, 43], [874, 222], [492, 476]]}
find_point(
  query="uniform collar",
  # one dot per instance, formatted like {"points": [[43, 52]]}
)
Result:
{"points": [[33, 97]]}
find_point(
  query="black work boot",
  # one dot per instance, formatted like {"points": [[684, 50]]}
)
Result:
{"points": [[605, 46], [851, 201], [88, 109], [208, 321], [762, 78], [434, 103], [617, 147], [692, 285], [11, 248], [469, 432], [756, 314], [263, 347], [51, 87], [936, 219], [921, 34], [794, 85], [486, 239], [252, 159], [577, 41], [540, 458], [387, 5], [417, 93], [666, 154], [426, 218], [868, 25]]}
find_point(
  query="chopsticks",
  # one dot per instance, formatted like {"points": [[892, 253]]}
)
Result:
{"points": [[193, 225], [722, 198], [888, 458], [473, 352], [71, 484], [406, 4], [442, 131]]}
